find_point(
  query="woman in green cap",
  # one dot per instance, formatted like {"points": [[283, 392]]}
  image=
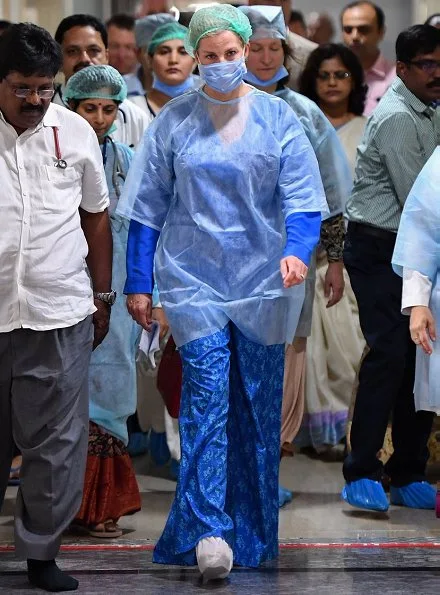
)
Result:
{"points": [[171, 65], [226, 198]]}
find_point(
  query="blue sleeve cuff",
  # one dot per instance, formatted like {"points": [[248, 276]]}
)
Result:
{"points": [[141, 246], [302, 230]]}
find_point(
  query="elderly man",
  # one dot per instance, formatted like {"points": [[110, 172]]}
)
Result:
{"points": [[83, 40], [400, 136], [54, 220], [122, 50], [300, 46], [363, 28]]}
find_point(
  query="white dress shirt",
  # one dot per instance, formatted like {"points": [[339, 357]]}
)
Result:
{"points": [[130, 123], [416, 290], [43, 279]]}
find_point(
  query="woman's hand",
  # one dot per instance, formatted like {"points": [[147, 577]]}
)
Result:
{"points": [[139, 306], [422, 327], [160, 317], [334, 283], [293, 271]]}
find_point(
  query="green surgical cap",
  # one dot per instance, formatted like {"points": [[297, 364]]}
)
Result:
{"points": [[212, 19], [96, 82], [165, 33]]}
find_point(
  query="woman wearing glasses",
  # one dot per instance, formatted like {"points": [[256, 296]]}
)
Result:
{"points": [[334, 79]]}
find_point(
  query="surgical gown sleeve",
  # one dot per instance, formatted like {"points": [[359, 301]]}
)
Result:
{"points": [[141, 246], [418, 240], [148, 190], [302, 230], [333, 166], [299, 184]]}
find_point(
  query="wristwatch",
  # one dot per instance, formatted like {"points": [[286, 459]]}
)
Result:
{"points": [[108, 298]]}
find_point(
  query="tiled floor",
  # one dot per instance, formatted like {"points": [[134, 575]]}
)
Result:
{"points": [[316, 516]]}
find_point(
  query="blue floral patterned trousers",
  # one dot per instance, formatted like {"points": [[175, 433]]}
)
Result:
{"points": [[230, 420]]}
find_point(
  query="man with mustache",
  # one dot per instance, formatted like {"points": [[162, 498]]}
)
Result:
{"points": [[54, 225], [363, 29], [400, 137], [83, 41]]}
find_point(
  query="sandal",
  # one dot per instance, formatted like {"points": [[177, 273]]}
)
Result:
{"points": [[109, 530]]}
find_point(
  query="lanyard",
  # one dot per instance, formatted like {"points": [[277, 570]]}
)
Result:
{"points": [[104, 151], [60, 162]]}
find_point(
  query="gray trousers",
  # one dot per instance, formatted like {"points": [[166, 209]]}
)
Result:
{"points": [[44, 408]]}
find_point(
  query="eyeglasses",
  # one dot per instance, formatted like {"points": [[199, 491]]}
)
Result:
{"points": [[339, 75], [23, 93], [428, 66]]}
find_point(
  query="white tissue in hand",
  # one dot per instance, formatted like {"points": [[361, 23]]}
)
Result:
{"points": [[149, 343]]}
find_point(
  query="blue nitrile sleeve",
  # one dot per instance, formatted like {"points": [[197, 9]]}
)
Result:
{"points": [[302, 230], [141, 246]]}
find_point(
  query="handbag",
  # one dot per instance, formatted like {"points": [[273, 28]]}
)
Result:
{"points": [[169, 378]]}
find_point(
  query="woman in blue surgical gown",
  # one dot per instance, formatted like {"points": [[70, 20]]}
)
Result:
{"points": [[266, 71], [227, 186]]}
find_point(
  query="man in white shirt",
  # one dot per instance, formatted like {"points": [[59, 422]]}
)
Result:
{"points": [[53, 226], [300, 47], [83, 40], [363, 29]]}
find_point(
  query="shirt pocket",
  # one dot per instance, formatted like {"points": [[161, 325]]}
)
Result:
{"points": [[59, 187]]}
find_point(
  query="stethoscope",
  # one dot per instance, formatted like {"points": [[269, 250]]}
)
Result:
{"points": [[117, 171], [60, 162]]}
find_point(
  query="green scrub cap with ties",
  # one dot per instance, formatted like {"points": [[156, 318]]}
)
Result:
{"points": [[213, 19]]}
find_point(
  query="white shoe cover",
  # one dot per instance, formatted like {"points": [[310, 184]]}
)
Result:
{"points": [[214, 557]]}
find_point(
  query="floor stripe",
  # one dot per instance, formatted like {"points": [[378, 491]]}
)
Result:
{"points": [[283, 546]]}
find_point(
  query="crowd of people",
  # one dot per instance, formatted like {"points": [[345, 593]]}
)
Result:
{"points": [[267, 203]]}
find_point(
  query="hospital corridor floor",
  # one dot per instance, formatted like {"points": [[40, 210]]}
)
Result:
{"points": [[326, 547]]}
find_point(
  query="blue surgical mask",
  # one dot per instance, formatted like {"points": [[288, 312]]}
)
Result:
{"points": [[223, 77], [173, 90], [281, 73]]}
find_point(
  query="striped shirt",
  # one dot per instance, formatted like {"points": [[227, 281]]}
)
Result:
{"points": [[400, 137]]}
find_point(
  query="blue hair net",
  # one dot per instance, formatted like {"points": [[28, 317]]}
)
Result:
{"points": [[144, 28], [267, 22]]}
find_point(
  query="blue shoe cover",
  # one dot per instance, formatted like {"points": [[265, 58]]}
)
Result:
{"points": [[159, 450], [174, 469], [284, 496], [137, 444], [419, 494], [367, 494]]}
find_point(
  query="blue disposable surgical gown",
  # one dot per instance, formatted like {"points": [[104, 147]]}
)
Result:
{"points": [[333, 164], [218, 179], [418, 248], [112, 372]]}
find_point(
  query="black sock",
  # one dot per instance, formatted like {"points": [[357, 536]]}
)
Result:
{"points": [[46, 575]]}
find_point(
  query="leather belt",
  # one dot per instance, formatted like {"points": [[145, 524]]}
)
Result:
{"points": [[369, 230]]}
